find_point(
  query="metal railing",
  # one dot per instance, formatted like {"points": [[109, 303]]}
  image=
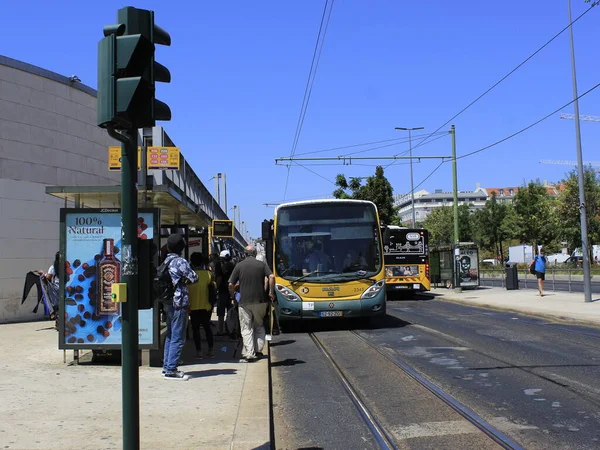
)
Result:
{"points": [[565, 279]]}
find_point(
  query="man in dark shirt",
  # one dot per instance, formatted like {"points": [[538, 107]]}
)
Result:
{"points": [[251, 273]]}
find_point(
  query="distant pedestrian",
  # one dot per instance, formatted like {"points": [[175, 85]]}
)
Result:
{"points": [[224, 302], [200, 306], [539, 264], [252, 307], [176, 311]]}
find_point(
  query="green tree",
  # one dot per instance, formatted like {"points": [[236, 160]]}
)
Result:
{"points": [[533, 207], [440, 224], [377, 189], [488, 226], [567, 208]]}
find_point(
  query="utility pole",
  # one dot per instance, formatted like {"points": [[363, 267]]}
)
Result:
{"points": [[412, 189], [587, 282], [455, 208]]}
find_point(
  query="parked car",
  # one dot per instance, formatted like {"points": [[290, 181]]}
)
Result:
{"points": [[576, 261]]}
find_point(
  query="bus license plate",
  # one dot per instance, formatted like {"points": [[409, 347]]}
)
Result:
{"points": [[331, 313]]}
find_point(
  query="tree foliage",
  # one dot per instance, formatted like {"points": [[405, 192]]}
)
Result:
{"points": [[489, 226], [533, 208], [376, 189], [440, 224], [567, 208]]}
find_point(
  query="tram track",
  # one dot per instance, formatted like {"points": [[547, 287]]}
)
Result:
{"points": [[382, 437], [473, 418]]}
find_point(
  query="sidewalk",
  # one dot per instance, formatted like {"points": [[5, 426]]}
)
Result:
{"points": [[562, 306], [46, 404]]}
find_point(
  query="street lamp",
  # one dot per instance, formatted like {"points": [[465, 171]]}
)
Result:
{"points": [[412, 193]]}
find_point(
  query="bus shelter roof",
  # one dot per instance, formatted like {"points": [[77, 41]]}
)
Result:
{"points": [[174, 207]]}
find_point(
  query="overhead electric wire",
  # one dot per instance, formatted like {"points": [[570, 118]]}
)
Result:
{"points": [[527, 127], [309, 83], [428, 176], [312, 171], [402, 139], [507, 75], [395, 163], [441, 135]]}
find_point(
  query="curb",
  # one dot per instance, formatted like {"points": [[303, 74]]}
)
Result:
{"points": [[548, 316]]}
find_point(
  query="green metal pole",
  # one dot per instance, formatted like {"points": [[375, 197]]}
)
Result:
{"points": [[129, 309], [455, 207]]}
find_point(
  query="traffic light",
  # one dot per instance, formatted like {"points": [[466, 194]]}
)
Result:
{"points": [[127, 72]]}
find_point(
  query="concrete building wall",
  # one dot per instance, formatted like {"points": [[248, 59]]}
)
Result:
{"points": [[48, 136]]}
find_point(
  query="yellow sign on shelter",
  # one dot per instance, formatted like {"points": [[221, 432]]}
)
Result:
{"points": [[114, 158], [163, 158]]}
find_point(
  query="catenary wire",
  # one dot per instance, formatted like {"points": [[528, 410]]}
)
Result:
{"points": [[528, 126], [310, 82], [506, 76], [395, 163], [401, 140]]}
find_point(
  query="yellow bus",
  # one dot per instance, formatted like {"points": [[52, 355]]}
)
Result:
{"points": [[406, 253], [327, 258]]}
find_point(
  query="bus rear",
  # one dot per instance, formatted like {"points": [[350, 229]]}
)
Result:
{"points": [[406, 253], [328, 260]]}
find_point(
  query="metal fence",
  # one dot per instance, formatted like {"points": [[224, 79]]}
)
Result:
{"points": [[570, 280]]}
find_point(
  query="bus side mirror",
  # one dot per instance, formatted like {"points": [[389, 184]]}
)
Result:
{"points": [[267, 230], [386, 236]]}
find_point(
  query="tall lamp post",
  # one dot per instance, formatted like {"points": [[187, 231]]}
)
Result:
{"points": [[587, 283], [412, 193]]}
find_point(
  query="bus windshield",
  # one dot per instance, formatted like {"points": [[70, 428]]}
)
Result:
{"points": [[327, 242]]}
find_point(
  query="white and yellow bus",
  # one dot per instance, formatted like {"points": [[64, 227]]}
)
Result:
{"points": [[406, 259], [327, 258]]}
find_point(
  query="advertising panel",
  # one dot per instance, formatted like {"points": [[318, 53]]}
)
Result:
{"points": [[91, 245], [468, 267]]}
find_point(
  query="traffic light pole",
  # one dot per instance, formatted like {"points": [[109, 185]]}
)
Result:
{"points": [[129, 275]]}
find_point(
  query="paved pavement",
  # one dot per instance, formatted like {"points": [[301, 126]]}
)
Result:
{"points": [[47, 404], [562, 306]]}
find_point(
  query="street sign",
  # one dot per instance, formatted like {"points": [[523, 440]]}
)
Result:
{"points": [[158, 158], [114, 158], [222, 228], [163, 158]]}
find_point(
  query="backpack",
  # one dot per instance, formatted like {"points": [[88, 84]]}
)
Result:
{"points": [[532, 266], [163, 283]]}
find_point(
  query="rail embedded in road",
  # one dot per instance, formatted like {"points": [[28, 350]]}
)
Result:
{"points": [[469, 415], [381, 436]]}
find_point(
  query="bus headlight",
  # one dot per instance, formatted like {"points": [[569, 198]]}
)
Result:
{"points": [[287, 293], [374, 289]]}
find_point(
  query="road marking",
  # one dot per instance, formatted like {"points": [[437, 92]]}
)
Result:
{"points": [[430, 429]]}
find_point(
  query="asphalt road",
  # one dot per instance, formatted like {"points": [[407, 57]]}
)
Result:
{"points": [[312, 409], [535, 381]]}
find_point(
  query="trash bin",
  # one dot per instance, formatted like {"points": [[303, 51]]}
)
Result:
{"points": [[512, 276]]}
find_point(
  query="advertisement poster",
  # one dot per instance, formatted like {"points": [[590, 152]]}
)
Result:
{"points": [[92, 249], [467, 267]]}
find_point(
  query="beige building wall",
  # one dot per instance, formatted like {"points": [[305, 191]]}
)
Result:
{"points": [[48, 136]]}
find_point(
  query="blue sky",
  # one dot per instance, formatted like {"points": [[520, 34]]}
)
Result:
{"points": [[239, 69]]}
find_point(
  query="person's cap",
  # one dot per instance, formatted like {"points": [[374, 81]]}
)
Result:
{"points": [[175, 243], [225, 254]]}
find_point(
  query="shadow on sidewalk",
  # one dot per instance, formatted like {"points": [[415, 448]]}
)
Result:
{"points": [[210, 372]]}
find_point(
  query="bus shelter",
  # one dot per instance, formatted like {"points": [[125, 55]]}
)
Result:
{"points": [[163, 209], [445, 263]]}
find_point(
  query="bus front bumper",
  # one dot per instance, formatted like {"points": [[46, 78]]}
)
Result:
{"points": [[331, 308]]}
